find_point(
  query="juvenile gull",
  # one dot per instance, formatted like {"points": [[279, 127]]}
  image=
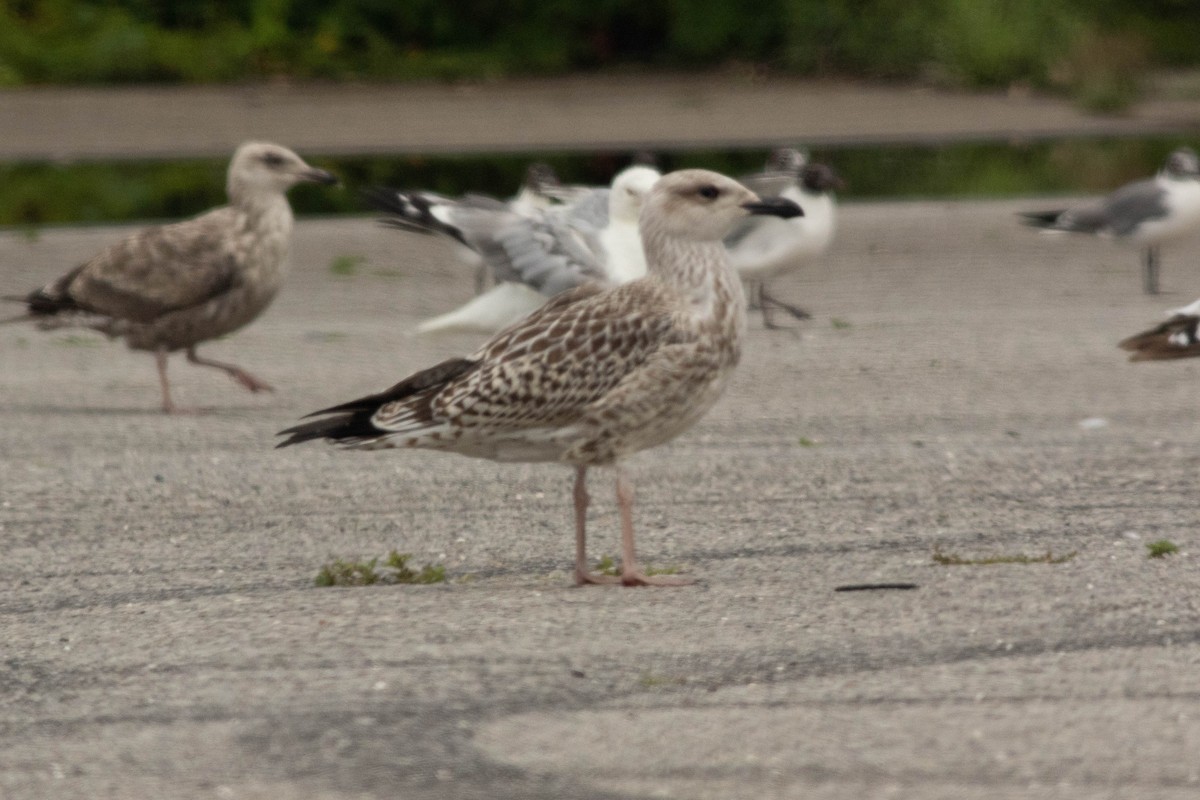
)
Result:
{"points": [[762, 248], [532, 255], [171, 287], [1174, 338], [596, 374], [1147, 213]]}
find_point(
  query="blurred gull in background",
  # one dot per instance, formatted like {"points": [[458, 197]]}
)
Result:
{"points": [[171, 287], [763, 248], [533, 255], [1175, 338], [1147, 213]]}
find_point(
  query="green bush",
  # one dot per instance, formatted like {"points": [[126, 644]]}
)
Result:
{"points": [[972, 42]]}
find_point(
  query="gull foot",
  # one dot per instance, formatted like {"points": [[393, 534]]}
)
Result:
{"points": [[583, 578], [252, 383]]}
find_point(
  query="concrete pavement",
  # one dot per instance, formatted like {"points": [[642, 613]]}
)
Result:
{"points": [[160, 636]]}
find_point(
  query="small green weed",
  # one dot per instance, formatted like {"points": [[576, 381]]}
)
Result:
{"points": [[607, 565], [395, 569], [345, 266], [804, 441], [1162, 548], [76, 340], [840, 324], [951, 560]]}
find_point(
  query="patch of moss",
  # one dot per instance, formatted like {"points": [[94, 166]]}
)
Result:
{"points": [[951, 560], [395, 569], [607, 565], [1162, 548], [345, 266]]}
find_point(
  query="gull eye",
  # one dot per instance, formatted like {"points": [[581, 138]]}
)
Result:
{"points": [[273, 159], [710, 192]]}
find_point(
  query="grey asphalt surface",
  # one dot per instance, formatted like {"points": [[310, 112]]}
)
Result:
{"points": [[161, 637]]}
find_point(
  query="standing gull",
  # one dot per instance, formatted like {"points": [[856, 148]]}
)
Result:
{"points": [[532, 255], [171, 287], [596, 374], [762, 248], [1174, 338], [1147, 213]]}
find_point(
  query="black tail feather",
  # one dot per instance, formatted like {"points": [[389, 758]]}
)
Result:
{"points": [[352, 420], [1041, 219], [412, 211], [343, 426]]}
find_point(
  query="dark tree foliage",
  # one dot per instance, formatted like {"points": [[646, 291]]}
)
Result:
{"points": [[972, 42]]}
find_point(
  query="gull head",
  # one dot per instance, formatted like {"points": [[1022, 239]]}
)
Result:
{"points": [[265, 168], [786, 159], [819, 178], [1182, 163], [701, 205], [540, 177], [629, 191]]}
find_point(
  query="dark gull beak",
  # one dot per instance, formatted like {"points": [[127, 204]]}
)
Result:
{"points": [[775, 207], [319, 176]]}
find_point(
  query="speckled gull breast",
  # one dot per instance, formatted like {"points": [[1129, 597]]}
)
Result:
{"points": [[1147, 213], [1177, 337], [763, 248], [596, 374], [533, 253], [171, 287]]}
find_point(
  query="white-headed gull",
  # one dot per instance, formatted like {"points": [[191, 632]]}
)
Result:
{"points": [[1147, 213], [762, 249], [532, 256]]}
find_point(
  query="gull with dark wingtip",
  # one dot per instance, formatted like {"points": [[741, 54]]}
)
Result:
{"points": [[1174, 338], [594, 375], [764, 248], [172, 287], [534, 254], [1147, 213]]}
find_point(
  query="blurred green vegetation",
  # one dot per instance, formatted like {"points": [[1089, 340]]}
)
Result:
{"points": [[968, 42], [46, 193]]}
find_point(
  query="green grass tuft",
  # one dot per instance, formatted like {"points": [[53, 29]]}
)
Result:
{"points": [[951, 560], [607, 565], [1162, 548], [346, 266], [76, 340], [840, 324], [395, 569]]}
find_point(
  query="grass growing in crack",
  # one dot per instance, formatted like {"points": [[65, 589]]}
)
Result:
{"points": [[650, 680], [951, 560], [76, 340], [607, 565], [1162, 548], [840, 324], [395, 569], [345, 266]]}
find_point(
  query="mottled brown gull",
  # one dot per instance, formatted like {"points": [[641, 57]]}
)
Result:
{"points": [[171, 287], [596, 374]]}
